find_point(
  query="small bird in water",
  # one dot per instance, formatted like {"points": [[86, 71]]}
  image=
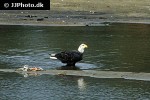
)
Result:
{"points": [[27, 68], [70, 57]]}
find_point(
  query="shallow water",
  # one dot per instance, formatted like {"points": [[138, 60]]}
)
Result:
{"points": [[118, 47], [15, 87]]}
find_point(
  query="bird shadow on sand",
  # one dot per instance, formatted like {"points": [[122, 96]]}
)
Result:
{"points": [[68, 68]]}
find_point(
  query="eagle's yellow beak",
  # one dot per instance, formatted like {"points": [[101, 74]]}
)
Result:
{"points": [[85, 46]]}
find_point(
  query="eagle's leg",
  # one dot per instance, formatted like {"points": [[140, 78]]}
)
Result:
{"points": [[72, 64]]}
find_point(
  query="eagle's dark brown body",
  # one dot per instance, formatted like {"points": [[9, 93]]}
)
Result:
{"points": [[69, 57]]}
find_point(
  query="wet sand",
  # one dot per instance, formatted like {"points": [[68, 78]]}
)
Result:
{"points": [[81, 13], [87, 73]]}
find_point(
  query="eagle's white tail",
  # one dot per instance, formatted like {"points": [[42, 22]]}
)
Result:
{"points": [[52, 56]]}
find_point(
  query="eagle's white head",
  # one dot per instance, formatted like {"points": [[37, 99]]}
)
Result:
{"points": [[82, 47]]}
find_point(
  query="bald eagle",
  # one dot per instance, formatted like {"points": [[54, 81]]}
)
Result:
{"points": [[70, 57]]}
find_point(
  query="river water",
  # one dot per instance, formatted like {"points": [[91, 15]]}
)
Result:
{"points": [[116, 47]]}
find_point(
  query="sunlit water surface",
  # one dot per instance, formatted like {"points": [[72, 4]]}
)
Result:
{"points": [[117, 47]]}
